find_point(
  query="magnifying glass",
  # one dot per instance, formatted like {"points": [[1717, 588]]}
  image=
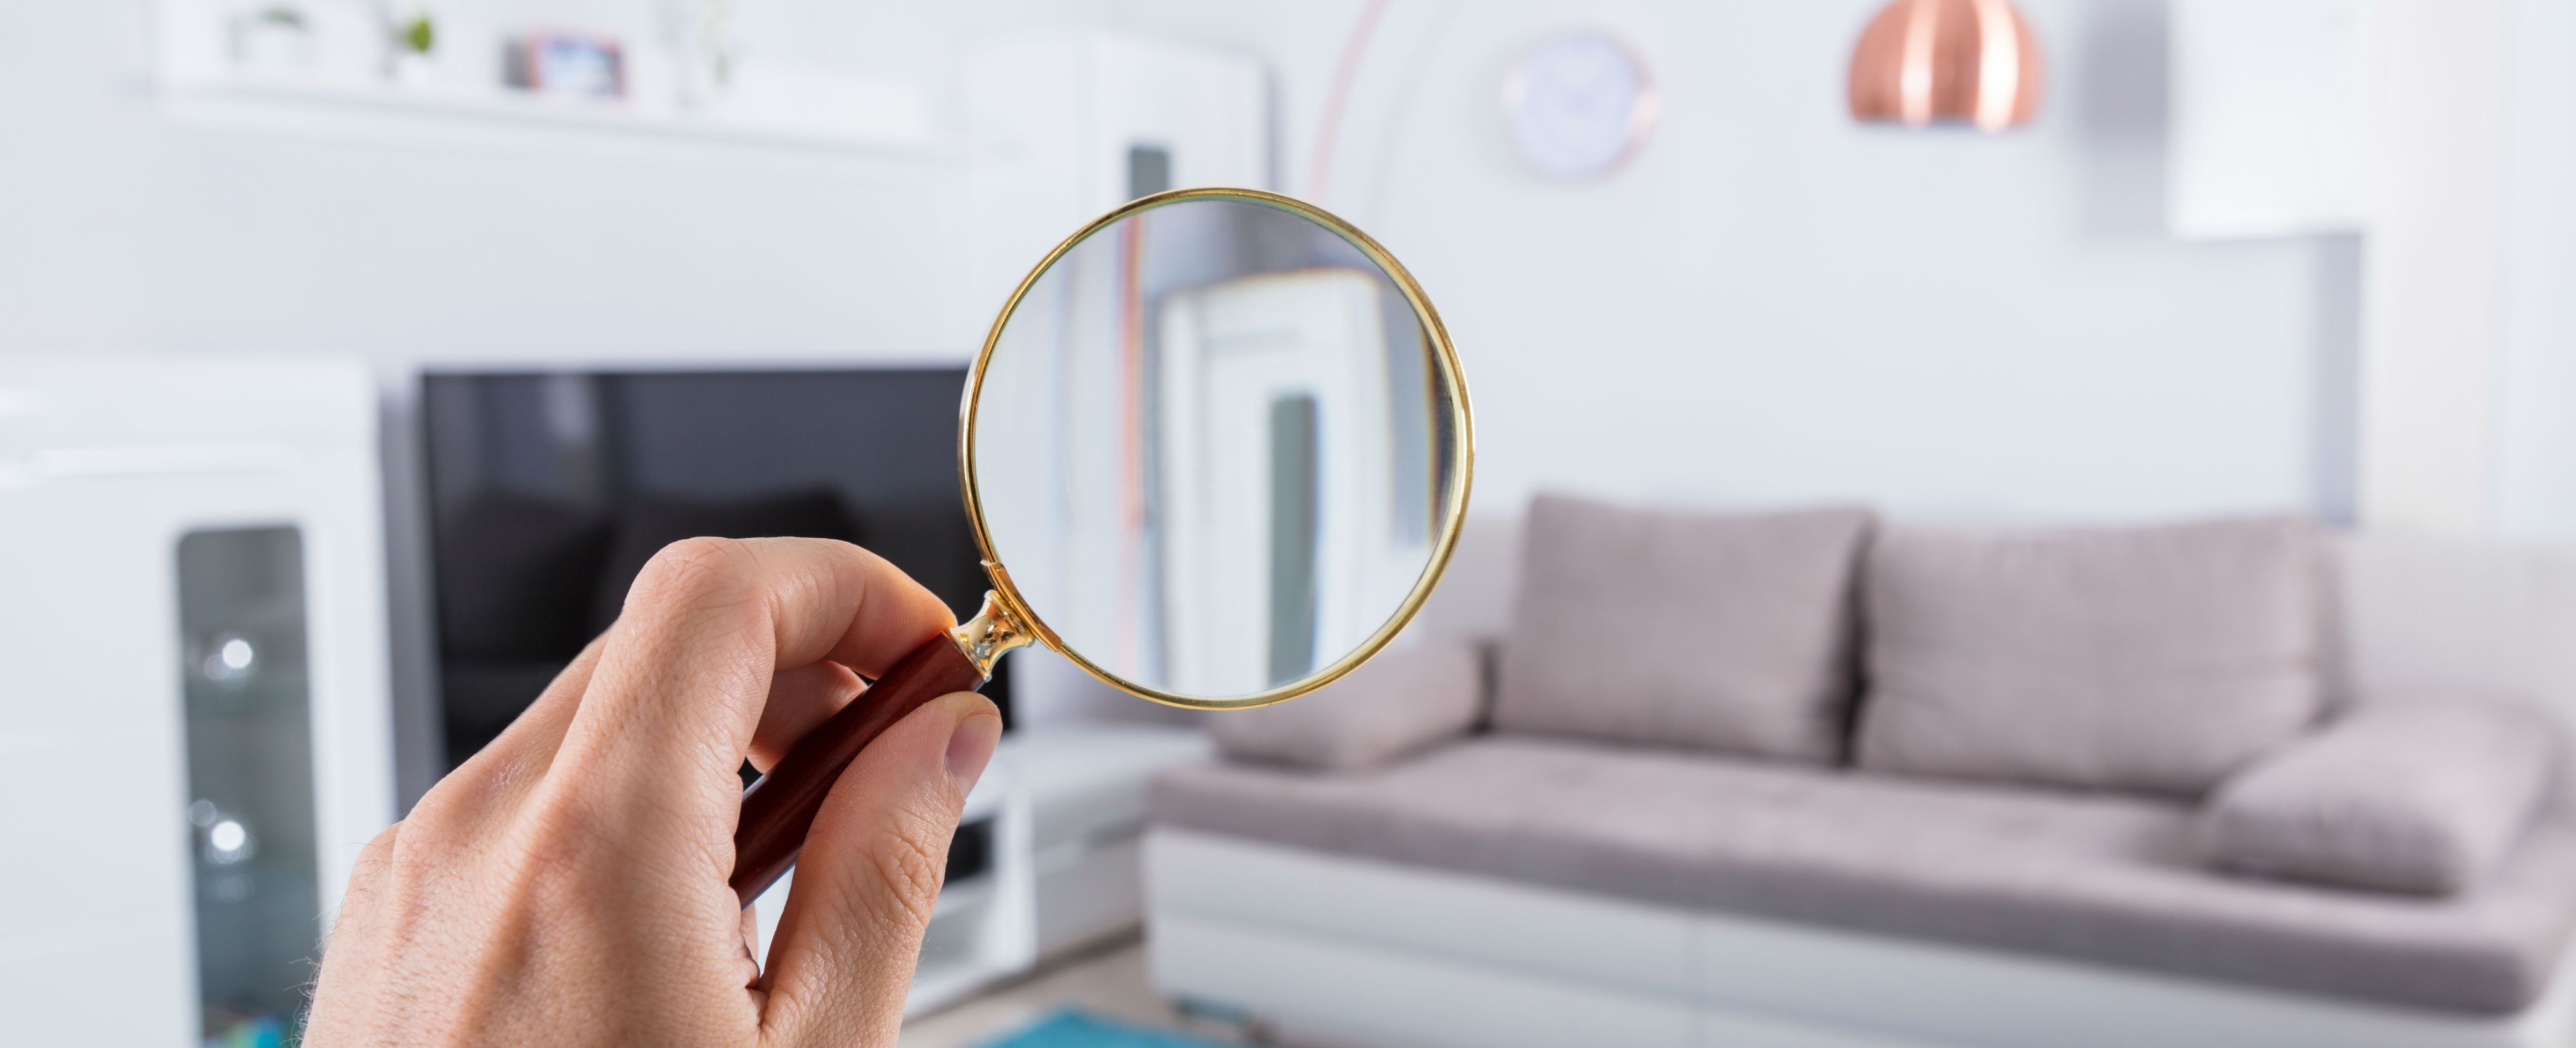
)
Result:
{"points": [[1216, 451]]}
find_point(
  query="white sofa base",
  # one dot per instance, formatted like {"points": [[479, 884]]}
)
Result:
{"points": [[1373, 952]]}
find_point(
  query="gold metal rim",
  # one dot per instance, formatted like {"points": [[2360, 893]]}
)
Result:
{"points": [[1463, 456]]}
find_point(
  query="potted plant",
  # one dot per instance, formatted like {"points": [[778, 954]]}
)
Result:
{"points": [[271, 38], [413, 43]]}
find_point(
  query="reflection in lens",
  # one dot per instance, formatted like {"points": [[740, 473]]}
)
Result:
{"points": [[1207, 448]]}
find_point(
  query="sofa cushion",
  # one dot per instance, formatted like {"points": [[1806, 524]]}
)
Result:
{"points": [[2418, 611], [2422, 795], [1401, 701], [1726, 631], [2157, 658], [2094, 877]]}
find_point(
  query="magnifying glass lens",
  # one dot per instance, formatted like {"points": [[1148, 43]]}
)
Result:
{"points": [[1208, 446]]}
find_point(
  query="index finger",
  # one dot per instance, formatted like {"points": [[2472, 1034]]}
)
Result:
{"points": [[684, 673]]}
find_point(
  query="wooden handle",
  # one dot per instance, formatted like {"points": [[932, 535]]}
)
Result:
{"points": [[780, 807]]}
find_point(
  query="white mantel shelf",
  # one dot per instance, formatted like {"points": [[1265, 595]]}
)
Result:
{"points": [[440, 116]]}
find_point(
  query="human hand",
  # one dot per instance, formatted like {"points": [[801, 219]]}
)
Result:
{"points": [[567, 885]]}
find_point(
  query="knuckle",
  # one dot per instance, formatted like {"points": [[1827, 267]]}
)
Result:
{"points": [[373, 864], [699, 571], [454, 809], [380, 847], [435, 818], [560, 832]]}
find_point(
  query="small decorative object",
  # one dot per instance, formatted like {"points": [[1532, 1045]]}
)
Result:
{"points": [[1579, 105], [233, 1028], [701, 34], [569, 64], [273, 38], [413, 45], [1966, 61]]}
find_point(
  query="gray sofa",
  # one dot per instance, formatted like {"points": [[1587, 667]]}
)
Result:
{"points": [[2145, 754]]}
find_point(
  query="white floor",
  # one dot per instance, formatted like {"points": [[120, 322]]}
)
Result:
{"points": [[1108, 982]]}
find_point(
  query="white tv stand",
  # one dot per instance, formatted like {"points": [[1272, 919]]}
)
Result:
{"points": [[1086, 790]]}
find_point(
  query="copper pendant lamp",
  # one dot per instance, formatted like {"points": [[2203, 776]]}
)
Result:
{"points": [[1964, 61]]}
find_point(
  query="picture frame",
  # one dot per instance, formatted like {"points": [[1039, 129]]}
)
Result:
{"points": [[573, 65]]}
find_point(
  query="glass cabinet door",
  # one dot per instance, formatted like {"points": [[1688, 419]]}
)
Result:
{"points": [[249, 818]]}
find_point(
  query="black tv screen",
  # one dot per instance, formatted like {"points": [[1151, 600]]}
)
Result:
{"points": [[549, 491]]}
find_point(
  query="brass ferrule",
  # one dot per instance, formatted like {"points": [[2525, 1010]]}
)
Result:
{"points": [[991, 632]]}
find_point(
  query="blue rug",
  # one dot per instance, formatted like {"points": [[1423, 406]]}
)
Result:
{"points": [[1074, 1028]]}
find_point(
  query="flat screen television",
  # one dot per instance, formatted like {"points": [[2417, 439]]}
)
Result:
{"points": [[549, 491]]}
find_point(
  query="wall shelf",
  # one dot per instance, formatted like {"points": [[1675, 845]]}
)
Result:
{"points": [[393, 113]]}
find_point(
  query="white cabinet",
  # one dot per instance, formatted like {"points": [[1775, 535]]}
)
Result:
{"points": [[195, 734]]}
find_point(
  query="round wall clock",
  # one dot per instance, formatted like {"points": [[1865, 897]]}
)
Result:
{"points": [[1578, 105]]}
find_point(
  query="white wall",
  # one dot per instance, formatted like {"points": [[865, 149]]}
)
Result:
{"points": [[2536, 481], [1772, 305], [1775, 304]]}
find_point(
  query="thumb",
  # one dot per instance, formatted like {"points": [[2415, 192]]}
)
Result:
{"points": [[869, 876]]}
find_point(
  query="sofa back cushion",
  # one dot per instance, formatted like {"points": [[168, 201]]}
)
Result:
{"points": [[1731, 632], [2155, 658]]}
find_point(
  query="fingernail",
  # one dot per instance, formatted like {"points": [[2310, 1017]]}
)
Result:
{"points": [[970, 747]]}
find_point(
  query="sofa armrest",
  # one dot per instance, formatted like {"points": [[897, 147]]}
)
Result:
{"points": [[2423, 795], [1401, 701]]}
